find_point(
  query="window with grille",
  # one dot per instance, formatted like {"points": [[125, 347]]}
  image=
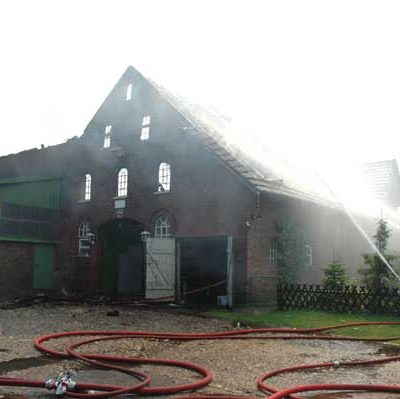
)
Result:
{"points": [[107, 136], [122, 183], [162, 227], [86, 191], [84, 239], [272, 255], [164, 177], [145, 128], [129, 92]]}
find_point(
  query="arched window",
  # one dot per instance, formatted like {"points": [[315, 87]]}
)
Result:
{"points": [[129, 92], [86, 190], [84, 230], [164, 177], [107, 136], [162, 227], [122, 183], [84, 239]]}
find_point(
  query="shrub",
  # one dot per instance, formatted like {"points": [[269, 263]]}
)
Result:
{"points": [[334, 275]]}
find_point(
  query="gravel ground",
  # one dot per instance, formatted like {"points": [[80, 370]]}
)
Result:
{"points": [[235, 364]]}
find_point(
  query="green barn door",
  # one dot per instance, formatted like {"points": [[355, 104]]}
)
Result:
{"points": [[43, 266]]}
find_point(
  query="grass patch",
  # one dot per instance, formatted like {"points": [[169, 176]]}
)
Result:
{"points": [[310, 318]]}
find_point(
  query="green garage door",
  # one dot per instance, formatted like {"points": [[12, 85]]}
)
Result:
{"points": [[43, 266]]}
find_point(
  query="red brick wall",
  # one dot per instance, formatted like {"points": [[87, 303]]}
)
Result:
{"points": [[16, 268], [262, 280]]}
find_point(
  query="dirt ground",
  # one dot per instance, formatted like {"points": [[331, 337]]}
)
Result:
{"points": [[235, 364]]}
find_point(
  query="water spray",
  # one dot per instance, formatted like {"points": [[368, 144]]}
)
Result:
{"points": [[357, 225]]}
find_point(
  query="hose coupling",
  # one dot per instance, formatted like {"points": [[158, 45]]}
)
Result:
{"points": [[50, 384], [336, 363], [62, 383]]}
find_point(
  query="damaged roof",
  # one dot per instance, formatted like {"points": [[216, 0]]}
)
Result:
{"points": [[212, 128]]}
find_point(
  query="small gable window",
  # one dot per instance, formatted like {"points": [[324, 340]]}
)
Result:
{"points": [[84, 239], [122, 183], [145, 128], [86, 189], [129, 92], [164, 177], [162, 227], [107, 136], [309, 255]]}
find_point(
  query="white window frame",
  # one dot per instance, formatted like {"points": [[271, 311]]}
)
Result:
{"points": [[129, 92], [146, 120], [162, 227], [145, 133], [84, 239], [272, 255], [164, 177], [87, 188], [122, 190], [107, 136], [309, 255]]}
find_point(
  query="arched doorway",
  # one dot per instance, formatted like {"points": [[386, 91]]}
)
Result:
{"points": [[122, 258]]}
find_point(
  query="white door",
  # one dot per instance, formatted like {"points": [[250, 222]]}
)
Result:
{"points": [[160, 267]]}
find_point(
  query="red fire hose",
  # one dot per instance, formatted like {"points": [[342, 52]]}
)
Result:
{"points": [[66, 386]]}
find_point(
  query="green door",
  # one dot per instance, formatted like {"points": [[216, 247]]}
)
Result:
{"points": [[43, 266]]}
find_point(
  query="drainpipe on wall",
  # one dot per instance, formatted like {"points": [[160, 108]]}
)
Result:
{"points": [[145, 235], [249, 240], [258, 203]]}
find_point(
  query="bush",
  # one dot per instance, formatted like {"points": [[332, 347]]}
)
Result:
{"points": [[334, 275]]}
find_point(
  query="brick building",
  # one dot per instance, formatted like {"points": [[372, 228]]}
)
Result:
{"points": [[152, 202]]}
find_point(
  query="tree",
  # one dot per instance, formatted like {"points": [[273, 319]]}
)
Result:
{"points": [[291, 250], [334, 275], [382, 235], [376, 274]]}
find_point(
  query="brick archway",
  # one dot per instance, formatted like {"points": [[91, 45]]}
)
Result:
{"points": [[122, 260]]}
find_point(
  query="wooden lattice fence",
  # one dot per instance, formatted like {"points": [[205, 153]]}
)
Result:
{"points": [[348, 299]]}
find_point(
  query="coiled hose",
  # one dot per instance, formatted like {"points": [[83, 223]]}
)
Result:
{"points": [[143, 387]]}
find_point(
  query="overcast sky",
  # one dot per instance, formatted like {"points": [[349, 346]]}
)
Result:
{"points": [[314, 79]]}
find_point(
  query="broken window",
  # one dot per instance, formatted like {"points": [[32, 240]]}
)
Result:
{"points": [[308, 254], [145, 128], [162, 227], [86, 190], [107, 136], [122, 183], [129, 92], [272, 255], [164, 177], [84, 239]]}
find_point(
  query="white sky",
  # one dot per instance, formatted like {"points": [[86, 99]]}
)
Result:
{"points": [[316, 80]]}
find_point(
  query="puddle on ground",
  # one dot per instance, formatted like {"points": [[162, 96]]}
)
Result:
{"points": [[389, 350], [85, 375], [333, 395], [26, 363], [353, 395], [29, 395]]}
